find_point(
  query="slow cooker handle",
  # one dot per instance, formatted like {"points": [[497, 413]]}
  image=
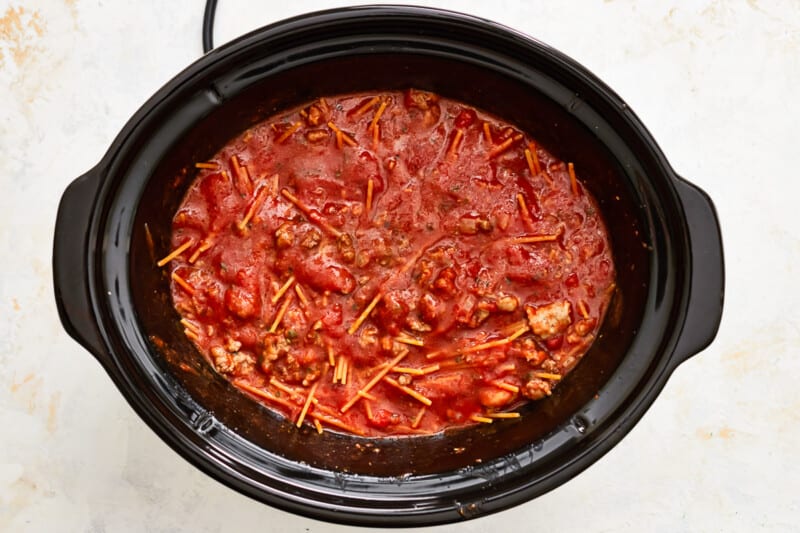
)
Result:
{"points": [[70, 263], [707, 290]]}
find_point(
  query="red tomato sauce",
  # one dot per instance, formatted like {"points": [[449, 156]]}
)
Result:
{"points": [[388, 264]]}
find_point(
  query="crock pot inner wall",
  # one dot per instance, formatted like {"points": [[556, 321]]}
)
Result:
{"points": [[509, 99]]}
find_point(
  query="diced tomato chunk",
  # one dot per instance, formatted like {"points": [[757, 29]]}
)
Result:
{"points": [[240, 302]]}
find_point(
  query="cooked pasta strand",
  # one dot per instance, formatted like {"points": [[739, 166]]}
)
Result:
{"points": [[451, 152], [312, 215], [301, 294], [283, 387], [537, 166], [521, 331], [365, 313], [408, 370], [342, 367], [151, 245], [282, 290], [317, 425], [211, 165], [296, 395], [504, 146], [274, 184], [498, 342], [547, 375], [482, 419], [188, 368], [378, 114], [430, 369], [204, 246], [288, 133], [412, 261], [370, 187], [511, 414], [573, 180], [511, 328], [506, 386], [281, 312], [254, 206], [611, 288], [456, 364], [582, 309], [344, 137], [339, 424], [524, 212], [323, 408], [367, 106], [176, 252], [487, 133], [265, 395], [242, 176], [409, 340], [376, 136], [529, 159], [307, 404], [349, 140], [531, 239], [183, 283], [418, 418], [331, 359], [367, 396], [508, 366], [188, 324], [379, 376], [587, 341], [408, 390]]}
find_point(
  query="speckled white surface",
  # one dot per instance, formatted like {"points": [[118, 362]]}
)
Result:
{"points": [[715, 81]]}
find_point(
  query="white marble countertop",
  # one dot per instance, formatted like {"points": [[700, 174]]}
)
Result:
{"points": [[715, 81]]}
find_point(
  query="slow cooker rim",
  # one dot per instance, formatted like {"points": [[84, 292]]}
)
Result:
{"points": [[217, 57]]}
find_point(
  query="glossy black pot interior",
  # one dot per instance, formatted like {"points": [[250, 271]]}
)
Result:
{"points": [[115, 302]]}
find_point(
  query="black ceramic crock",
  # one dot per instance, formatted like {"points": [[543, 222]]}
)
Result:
{"points": [[113, 300]]}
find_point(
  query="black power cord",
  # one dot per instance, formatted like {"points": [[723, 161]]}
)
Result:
{"points": [[208, 25]]}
